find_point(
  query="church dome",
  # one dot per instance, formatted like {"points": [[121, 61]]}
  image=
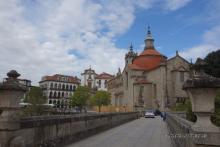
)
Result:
{"points": [[150, 58]]}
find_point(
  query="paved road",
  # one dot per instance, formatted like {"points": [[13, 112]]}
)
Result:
{"points": [[143, 132]]}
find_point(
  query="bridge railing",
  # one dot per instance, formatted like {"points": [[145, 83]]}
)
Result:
{"points": [[44, 131], [179, 130]]}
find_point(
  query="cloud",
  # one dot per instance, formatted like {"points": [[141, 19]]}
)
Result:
{"points": [[197, 51], [46, 37], [175, 4], [210, 41]]}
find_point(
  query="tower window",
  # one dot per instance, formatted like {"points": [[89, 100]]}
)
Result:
{"points": [[181, 76]]}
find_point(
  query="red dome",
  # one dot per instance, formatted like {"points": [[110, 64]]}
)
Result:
{"points": [[147, 60]]}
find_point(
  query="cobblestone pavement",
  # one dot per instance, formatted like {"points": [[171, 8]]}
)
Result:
{"points": [[143, 132]]}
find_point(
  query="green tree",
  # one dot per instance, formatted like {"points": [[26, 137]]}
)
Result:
{"points": [[189, 114], [213, 68], [35, 98], [101, 98], [213, 63], [80, 97], [216, 117]]}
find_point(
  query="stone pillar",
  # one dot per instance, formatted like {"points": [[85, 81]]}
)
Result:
{"points": [[202, 90], [10, 93]]}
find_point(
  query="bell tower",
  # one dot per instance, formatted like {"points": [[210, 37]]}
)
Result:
{"points": [[130, 55], [149, 41]]}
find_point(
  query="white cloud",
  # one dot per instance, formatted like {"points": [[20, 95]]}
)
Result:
{"points": [[175, 4], [46, 37], [199, 51], [210, 43]]}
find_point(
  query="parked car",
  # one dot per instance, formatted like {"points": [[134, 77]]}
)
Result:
{"points": [[149, 114]]}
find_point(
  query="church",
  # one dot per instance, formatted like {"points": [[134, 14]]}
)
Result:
{"points": [[149, 80]]}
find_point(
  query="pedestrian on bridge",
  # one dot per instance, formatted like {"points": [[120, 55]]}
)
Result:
{"points": [[163, 115]]}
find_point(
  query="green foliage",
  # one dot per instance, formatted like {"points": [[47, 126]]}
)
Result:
{"points": [[213, 61], [213, 68], [35, 98], [180, 107], [187, 107], [216, 117], [80, 97], [101, 98], [189, 114]]}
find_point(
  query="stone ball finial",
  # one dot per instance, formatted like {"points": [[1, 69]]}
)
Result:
{"points": [[13, 74]]}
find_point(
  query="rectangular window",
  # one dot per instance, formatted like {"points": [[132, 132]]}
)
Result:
{"points": [[181, 76], [99, 83]]}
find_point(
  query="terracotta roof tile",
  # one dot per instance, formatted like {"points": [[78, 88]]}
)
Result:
{"points": [[104, 76], [56, 77], [149, 59]]}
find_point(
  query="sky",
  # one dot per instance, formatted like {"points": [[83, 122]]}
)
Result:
{"points": [[46, 37]]}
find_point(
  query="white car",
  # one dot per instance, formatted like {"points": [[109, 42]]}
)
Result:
{"points": [[149, 114]]}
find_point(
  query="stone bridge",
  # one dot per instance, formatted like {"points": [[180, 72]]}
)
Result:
{"points": [[49, 131]]}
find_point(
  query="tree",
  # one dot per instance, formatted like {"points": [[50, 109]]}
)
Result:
{"points": [[213, 63], [101, 98], [36, 100], [213, 68], [216, 117], [80, 97]]}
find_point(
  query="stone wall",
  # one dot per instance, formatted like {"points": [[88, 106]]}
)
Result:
{"points": [[178, 128], [183, 135], [61, 130]]}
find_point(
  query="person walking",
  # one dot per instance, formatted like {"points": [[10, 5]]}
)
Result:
{"points": [[164, 116]]}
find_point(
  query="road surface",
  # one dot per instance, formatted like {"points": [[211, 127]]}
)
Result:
{"points": [[143, 132]]}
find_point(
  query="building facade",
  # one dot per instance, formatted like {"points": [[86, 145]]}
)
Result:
{"points": [[149, 80], [59, 88], [95, 81]]}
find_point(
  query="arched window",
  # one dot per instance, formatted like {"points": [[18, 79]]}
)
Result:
{"points": [[55, 94], [58, 104], [50, 101], [63, 87], [62, 104], [67, 87], [62, 94], [59, 87], [55, 85], [58, 95], [74, 88], [71, 88], [51, 94], [51, 85], [100, 82], [54, 102]]}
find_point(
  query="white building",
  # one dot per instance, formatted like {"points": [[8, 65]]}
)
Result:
{"points": [[95, 81], [59, 88]]}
